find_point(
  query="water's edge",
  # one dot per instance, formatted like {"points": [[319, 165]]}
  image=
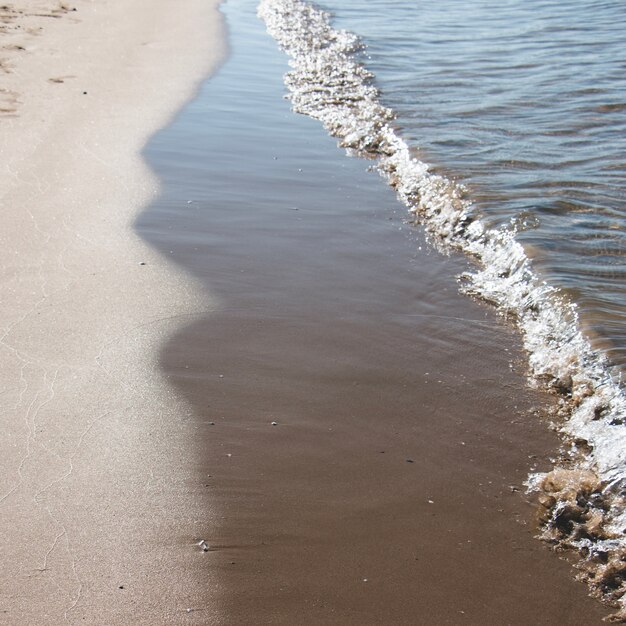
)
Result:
{"points": [[582, 497]]}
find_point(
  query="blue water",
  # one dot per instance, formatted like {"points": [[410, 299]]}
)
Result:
{"points": [[524, 102]]}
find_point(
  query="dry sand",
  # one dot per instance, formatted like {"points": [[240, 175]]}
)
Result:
{"points": [[98, 496]]}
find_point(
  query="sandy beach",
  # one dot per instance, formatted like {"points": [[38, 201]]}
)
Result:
{"points": [[98, 503], [231, 393]]}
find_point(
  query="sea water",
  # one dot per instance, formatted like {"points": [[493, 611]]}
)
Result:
{"points": [[342, 377], [501, 125]]}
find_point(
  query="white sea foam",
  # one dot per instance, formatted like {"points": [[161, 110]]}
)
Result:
{"points": [[327, 82]]}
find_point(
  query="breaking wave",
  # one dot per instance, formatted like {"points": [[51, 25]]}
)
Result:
{"points": [[583, 497]]}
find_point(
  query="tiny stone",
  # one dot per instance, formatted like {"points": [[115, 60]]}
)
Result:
{"points": [[204, 545], [410, 461], [142, 262], [121, 587], [274, 423]]}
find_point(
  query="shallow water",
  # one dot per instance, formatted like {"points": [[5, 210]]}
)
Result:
{"points": [[329, 83], [388, 491]]}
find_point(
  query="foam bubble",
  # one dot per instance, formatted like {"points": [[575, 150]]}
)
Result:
{"points": [[584, 507]]}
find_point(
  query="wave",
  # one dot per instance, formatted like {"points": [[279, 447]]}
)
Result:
{"points": [[583, 497]]}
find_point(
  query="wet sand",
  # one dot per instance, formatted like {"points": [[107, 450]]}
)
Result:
{"points": [[99, 507], [363, 430]]}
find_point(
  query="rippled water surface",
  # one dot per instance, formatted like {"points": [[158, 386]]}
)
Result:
{"points": [[524, 102]]}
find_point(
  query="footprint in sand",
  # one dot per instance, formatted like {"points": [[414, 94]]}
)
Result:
{"points": [[9, 103], [59, 79]]}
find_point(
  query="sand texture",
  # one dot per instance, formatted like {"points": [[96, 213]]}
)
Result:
{"points": [[99, 501]]}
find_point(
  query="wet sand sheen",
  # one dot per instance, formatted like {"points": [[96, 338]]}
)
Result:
{"points": [[386, 492]]}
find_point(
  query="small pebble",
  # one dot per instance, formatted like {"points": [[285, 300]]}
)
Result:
{"points": [[410, 461], [274, 423], [142, 262]]}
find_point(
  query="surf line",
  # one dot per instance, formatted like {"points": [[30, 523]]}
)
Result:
{"points": [[583, 497]]}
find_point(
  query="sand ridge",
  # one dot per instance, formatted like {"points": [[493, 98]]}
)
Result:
{"points": [[99, 504]]}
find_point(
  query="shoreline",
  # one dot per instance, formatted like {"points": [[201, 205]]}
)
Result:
{"points": [[95, 445], [363, 432], [586, 480]]}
